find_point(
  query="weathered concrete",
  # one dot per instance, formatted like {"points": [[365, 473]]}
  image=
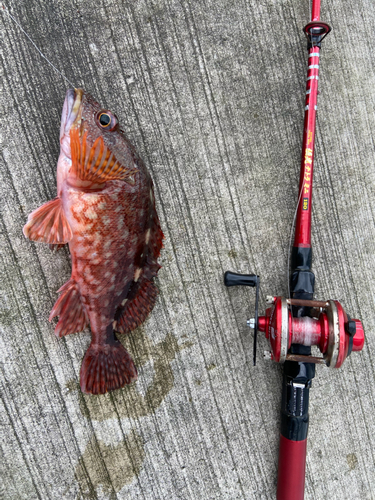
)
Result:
{"points": [[211, 93]]}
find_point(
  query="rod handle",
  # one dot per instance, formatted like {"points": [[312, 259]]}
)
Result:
{"points": [[291, 473]]}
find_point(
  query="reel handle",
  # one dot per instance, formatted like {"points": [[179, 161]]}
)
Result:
{"points": [[235, 279]]}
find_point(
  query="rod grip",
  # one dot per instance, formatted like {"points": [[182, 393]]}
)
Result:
{"points": [[291, 473]]}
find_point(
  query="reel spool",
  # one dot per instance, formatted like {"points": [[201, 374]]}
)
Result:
{"points": [[327, 326]]}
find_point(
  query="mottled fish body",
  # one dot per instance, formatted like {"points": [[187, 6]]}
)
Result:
{"points": [[105, 211]]}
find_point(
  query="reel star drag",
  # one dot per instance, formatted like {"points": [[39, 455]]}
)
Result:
{"points": [[293, 325]]}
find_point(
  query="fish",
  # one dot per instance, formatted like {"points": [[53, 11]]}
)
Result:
{"points": [[105, 211]]}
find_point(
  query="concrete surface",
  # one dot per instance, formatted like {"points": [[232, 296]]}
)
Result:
{"points": [[211, 93]]}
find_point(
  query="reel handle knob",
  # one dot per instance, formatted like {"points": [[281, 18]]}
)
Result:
{"points": [[234, 279]]}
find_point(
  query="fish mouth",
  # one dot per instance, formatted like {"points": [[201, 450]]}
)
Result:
{"points": [[71, 109]]}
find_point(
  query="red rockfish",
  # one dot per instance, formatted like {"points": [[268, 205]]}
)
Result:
{"points": [[105, 211]]}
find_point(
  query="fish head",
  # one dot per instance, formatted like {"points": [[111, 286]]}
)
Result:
{"points": [[86, 125]]}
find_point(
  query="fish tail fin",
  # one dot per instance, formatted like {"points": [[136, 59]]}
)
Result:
{"points": [[106, 367]]}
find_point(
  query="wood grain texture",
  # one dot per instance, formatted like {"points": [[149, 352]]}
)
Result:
{"points": [[211, 93]]}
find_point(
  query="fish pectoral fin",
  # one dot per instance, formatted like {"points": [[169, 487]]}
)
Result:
{"points": [[137, 307], [106, 367], [48, 224], [72, 315]]}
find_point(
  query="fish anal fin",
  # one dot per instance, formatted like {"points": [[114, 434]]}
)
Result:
{"points": [[48, 224], [133, 311], [106, 367], [96, 164], [72, 315]]}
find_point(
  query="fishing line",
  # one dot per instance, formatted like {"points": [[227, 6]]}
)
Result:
{"points": [[290, 240], [40, 52], [289, 252]]}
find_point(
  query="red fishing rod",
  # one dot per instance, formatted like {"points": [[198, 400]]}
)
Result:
{"points": [[294, 324]]}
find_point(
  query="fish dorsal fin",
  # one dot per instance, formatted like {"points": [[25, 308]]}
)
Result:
{"points": [[48, 224], [134, 311], [96, 164], [141, 297]]}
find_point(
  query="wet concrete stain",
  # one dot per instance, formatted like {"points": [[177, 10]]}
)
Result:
{"points": [[110, 468], [352, 460], [71, 385], [129, 402]]}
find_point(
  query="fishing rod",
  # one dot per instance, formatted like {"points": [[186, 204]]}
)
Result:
{"points": [[294, 324]]}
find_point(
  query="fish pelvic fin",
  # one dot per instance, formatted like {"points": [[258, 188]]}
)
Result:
{"points": [[72, 314], [96, 164], [106, 367], [134, 310], [48, 224]]}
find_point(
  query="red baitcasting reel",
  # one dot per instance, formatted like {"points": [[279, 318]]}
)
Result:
{"points": [[328, 327]]}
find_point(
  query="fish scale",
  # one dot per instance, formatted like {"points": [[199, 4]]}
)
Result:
{"points": [[98, 247], [105, 211]]}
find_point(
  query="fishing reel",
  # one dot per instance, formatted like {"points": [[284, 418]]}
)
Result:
{"points": [[325, 325]]}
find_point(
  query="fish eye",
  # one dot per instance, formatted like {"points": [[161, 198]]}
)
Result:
{"points": [[106, 120]]}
